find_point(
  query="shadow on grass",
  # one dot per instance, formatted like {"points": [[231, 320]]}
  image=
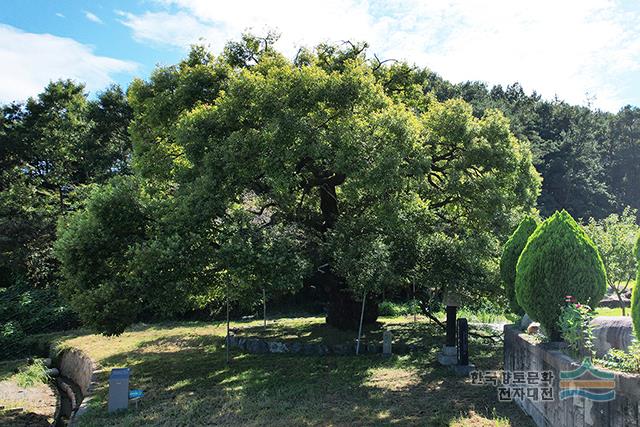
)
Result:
{"points": [[187, 382], [23, 419]]}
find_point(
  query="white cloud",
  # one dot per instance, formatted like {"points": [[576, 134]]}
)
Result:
{"points": [[162, 28], [301, 23], [60, 15], [30, 61], [92, 17], [568, 47]]}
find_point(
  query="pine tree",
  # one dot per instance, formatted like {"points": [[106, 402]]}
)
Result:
{"points": [[558, 260], [510, 254]]}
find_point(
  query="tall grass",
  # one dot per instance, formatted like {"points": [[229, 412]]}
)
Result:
{"points": [[393, 309], [33, 374]]}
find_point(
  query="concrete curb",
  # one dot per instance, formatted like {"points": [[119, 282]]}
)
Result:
{"points": [[262, 346], [56, 413]]}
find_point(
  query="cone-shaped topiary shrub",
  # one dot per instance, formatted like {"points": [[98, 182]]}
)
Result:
{"points": [[558, 260], [635, 296], [510, 254]]}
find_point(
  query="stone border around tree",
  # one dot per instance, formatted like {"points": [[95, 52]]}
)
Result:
{"points": [[264, 346]]}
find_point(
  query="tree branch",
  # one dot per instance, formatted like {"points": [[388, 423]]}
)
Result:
{"points": [[377, 67], [262, 209]]}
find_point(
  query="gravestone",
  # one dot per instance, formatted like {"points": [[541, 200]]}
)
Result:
{"points": [[463, 342], [463, 367], [387, 336]]}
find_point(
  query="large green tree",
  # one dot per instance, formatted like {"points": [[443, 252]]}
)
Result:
{"points": [[52, 148], [347, 154]]}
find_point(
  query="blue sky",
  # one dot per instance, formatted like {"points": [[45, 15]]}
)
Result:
{"points": [[580, 50]]}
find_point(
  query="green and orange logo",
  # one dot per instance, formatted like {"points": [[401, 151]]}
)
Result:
{"points": [[589, 382]]}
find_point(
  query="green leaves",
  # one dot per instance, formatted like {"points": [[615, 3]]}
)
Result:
{"points": [[558, 260], [95, 248], [575, 327], [615, 237], [261, 171], [510, 255], [257, 254], [53, 149]]}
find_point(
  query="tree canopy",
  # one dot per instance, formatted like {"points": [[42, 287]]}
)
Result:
{"points": [[53, 149], [347, 170]]}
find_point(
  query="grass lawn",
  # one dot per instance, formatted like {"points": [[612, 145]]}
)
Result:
{"points": [[606, 311], [182, 369]]}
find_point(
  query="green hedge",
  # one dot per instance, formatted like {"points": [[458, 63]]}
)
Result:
{"points": [[510, 255], [558, 260]]}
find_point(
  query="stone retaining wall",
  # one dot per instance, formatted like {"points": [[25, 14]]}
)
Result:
{"points": [[79, 368], [522, 355], [257, 345]]}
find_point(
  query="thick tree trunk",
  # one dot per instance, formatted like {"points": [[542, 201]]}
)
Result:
{"points": [[343, 310]]}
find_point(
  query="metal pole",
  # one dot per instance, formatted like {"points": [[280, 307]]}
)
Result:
{"points": [[364, 297], [413, 305], [227, 340]]}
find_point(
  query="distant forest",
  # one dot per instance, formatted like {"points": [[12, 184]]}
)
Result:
{"points": [[589, 159]]}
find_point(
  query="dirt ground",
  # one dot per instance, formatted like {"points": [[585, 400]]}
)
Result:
{"points": [[33, 406]]}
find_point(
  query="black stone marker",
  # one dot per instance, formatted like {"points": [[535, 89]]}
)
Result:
{"points": [[451, 325], [463, 342]]}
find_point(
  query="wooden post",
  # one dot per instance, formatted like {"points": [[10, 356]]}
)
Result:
{"points": [[364, 297]]}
